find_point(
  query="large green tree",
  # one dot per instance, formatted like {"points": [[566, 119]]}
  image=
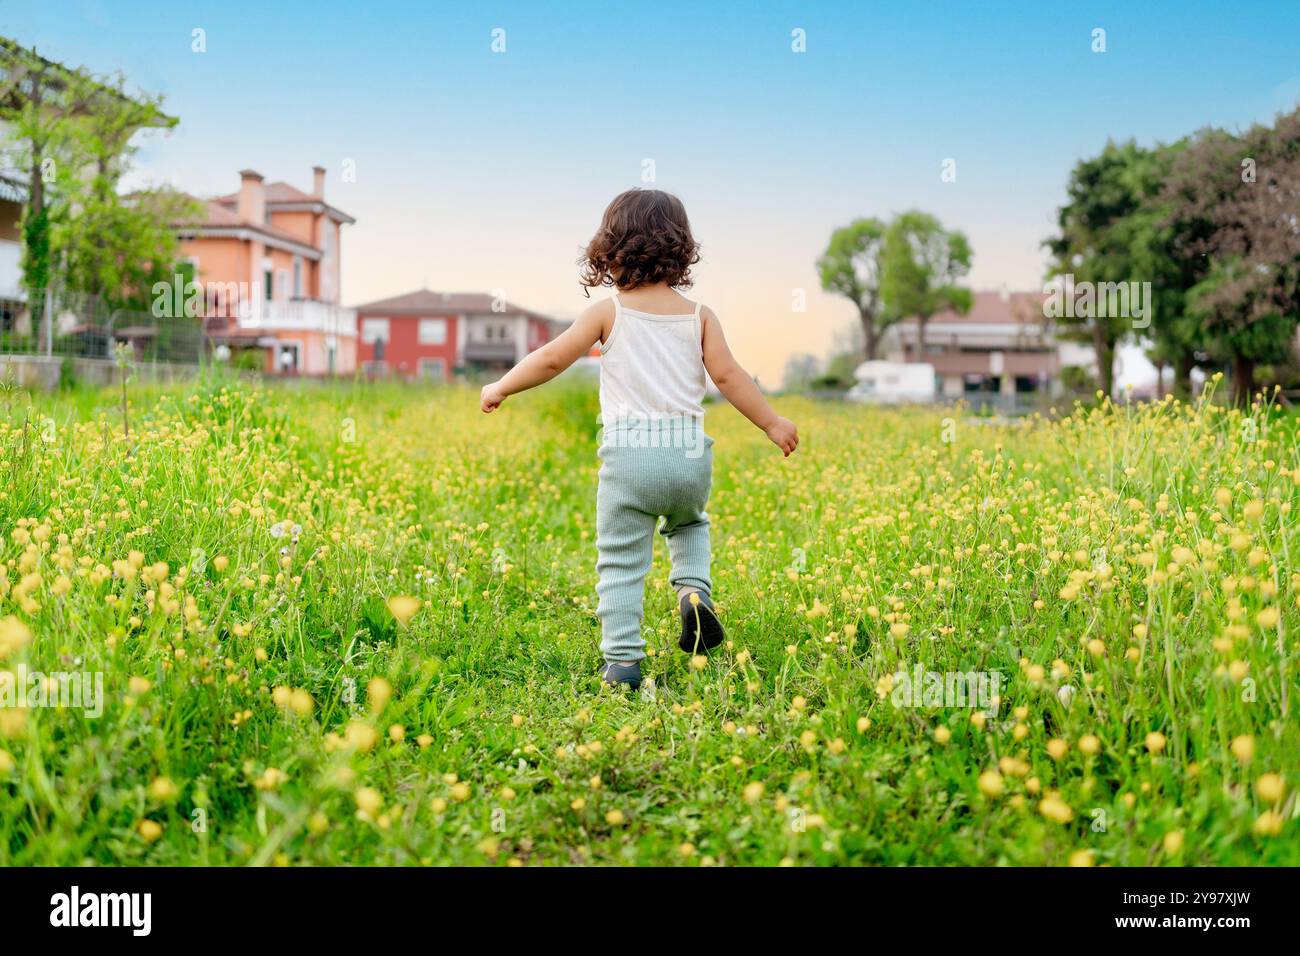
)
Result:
{"points": [[1173, 336], [1106, 234], [851, 266], [36, 106], [1232, 204], [109, 246], [72, 132], [922, 263]]}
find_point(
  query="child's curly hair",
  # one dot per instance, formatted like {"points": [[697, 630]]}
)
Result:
{"points": [[644, 238]]}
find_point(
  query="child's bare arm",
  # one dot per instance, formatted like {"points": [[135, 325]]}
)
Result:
{"points": [[739, 389], [542, 365]]}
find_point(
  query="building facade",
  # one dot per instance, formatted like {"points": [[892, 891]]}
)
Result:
{"points": [[1004, 345], [438, 335], [268, 261]]}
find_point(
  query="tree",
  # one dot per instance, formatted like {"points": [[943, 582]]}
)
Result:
{"points": [[1104, 226], [1194, 184], [851, 266], [1159, 257], [72, 132], [34, 103], [116, 248], [1233, 204], [113, 247], [1240, 322], [920, 266]]}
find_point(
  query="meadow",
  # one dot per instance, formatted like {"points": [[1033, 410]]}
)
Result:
{"points": [[355, 625]]}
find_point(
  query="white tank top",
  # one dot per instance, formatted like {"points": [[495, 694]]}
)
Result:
{"points": [[652, 366]]}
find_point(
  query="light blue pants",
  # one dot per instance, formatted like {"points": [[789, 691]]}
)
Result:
{"points": [[638, 486]]}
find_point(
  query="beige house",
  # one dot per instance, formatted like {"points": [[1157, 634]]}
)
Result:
{"points": [[1004, 346]]}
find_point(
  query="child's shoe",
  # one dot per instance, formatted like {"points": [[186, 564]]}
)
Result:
{"points": [[701, 629], [615, 673]]}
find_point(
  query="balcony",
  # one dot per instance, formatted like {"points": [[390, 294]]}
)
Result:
{"points": [[490, 352], [298, 315], [1028, 364]]}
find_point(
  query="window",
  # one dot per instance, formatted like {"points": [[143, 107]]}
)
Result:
{"points": [[433, 369], [433, 332], [374, 330], [268, 284], [297, 277]]}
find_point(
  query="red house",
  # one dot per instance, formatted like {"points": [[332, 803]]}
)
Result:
{"points": [[434, 335]]}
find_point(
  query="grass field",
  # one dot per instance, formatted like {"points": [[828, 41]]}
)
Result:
{"points": [[356, 625]]}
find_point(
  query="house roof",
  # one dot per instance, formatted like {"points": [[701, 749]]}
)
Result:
{"points": [[217, 215], [276, 192], [993, 308], [428, 302], [283, 194]]}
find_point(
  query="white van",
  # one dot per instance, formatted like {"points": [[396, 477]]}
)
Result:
{"points": [[893, 383]]}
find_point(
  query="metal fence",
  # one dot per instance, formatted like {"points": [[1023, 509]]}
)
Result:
{"points": [[986, 404], [73, 324], [1014, 404]]}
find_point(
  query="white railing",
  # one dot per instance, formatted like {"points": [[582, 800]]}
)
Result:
{"points": [[301, 315]]}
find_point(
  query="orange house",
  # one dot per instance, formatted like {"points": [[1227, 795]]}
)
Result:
{"points": [[267, 261]]}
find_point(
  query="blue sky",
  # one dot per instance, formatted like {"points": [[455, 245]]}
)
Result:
{"points": [[478, 170]]}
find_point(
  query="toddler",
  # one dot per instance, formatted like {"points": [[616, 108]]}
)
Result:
{"points": [[656, 460]]}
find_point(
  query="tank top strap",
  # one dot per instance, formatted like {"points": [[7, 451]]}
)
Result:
{"points": [[614, 325]]}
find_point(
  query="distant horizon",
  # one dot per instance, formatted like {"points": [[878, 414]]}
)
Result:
{"points": [[478, 170]]}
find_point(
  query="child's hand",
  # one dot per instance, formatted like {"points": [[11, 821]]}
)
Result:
{"points": [[490, 397], [784, 435]]}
